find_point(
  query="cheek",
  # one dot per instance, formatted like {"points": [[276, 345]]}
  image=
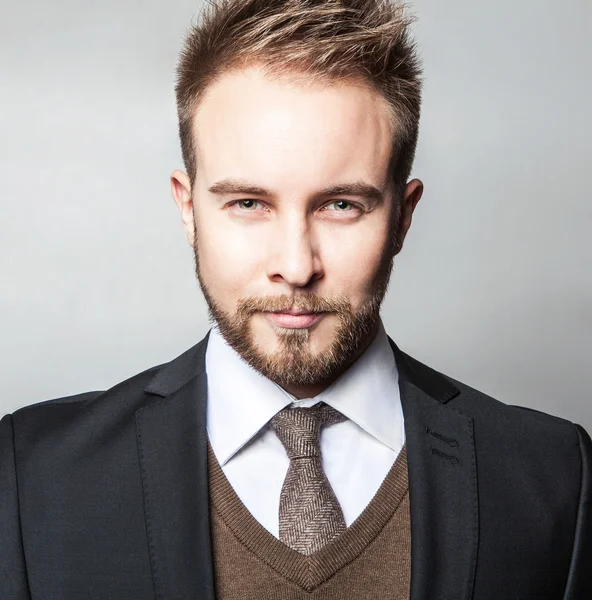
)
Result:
{"points": [[359, 262], [228, 262]]}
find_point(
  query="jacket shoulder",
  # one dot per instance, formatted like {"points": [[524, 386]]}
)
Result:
{"points": [[479, 405], [483, 407], [514, 433], [59, 413], [103, 414]]}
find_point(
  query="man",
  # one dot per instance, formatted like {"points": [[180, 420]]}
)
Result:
{"points": [[296, 451]]}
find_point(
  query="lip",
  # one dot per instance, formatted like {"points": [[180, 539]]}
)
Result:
{"points": [[293, 319]]}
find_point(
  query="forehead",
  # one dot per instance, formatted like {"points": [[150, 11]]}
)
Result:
{"points": [[291, 133]]}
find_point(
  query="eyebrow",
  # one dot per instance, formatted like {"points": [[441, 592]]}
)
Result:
{"points": [[241, 186]]}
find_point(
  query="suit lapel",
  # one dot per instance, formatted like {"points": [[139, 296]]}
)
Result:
{"points": [[172, 449], [171, 439], [442, 484]]}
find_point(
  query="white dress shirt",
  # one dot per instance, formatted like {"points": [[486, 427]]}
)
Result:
{"points": [[356, 453]]}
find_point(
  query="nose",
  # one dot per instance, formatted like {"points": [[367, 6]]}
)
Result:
{"points": [[294, 254]]}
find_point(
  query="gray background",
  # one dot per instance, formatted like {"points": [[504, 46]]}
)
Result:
{"points": [[493, 286]]}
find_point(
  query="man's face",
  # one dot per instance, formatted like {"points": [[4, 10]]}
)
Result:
{"points": [[270, 237]]}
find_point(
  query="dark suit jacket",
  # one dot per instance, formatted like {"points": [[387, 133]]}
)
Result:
{"points": [[104, 494]]}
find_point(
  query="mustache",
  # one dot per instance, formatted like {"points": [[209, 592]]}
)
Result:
{"points": [[310, 303]]}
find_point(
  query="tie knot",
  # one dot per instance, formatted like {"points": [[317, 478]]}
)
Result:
{"points": [[299, 429]]}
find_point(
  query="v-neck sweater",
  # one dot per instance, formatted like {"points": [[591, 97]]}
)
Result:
{"points": [[371, 559]]}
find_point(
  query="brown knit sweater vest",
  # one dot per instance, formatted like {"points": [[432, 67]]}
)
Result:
{"points": [[371, 560]]}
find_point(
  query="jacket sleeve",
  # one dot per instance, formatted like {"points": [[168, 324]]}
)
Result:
{"points": [[13, 574], [579, 581]]}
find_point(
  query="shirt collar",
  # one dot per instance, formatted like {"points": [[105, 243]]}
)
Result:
{"points": [[241, 404]]}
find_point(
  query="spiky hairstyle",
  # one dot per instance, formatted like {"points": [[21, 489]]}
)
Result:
{"points": [[311, 41]]}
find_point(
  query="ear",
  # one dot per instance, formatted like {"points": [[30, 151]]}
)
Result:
{"points": [[181, 190], [411, 196]]}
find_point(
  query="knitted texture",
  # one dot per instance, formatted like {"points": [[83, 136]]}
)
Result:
{"points": [[309, 513], [370, 560]]}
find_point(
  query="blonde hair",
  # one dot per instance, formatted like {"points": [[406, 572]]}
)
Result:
{"points": [[312, 41]]}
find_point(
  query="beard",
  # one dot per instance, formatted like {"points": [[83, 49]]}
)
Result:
{"points": [[293, 363]]}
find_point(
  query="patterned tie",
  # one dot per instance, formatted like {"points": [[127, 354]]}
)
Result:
{"points": [[310, 515]]}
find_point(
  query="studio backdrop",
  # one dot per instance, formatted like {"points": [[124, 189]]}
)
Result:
{"points": [[493, 285]]}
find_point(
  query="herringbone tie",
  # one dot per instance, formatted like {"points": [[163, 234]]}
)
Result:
{"points": [[309, 514]]}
